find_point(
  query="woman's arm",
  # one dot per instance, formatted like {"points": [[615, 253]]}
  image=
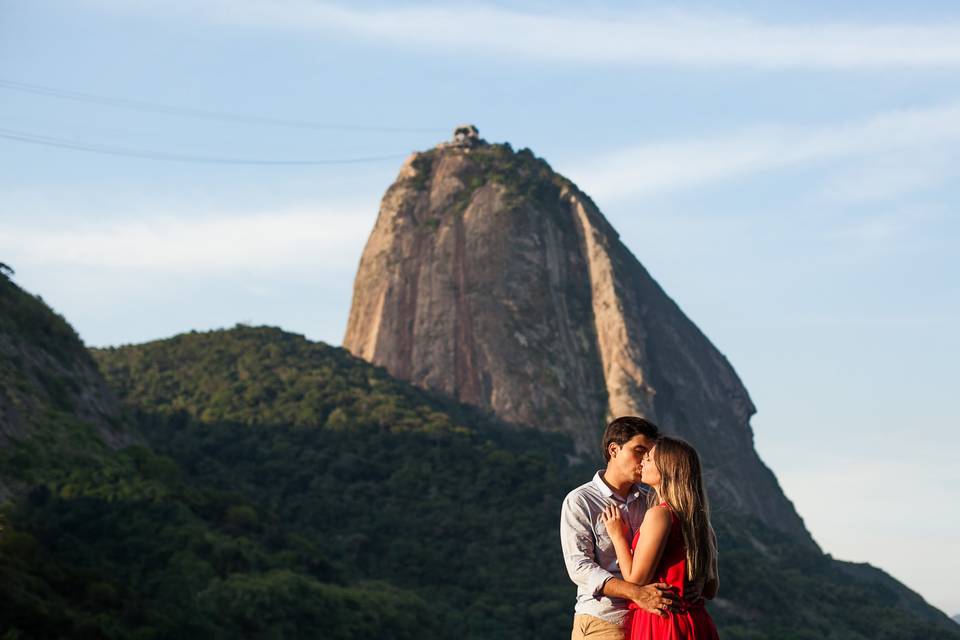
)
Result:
{"points": [[639, 566]]}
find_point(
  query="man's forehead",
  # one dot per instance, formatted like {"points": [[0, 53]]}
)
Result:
{"points": [[640, 440]]}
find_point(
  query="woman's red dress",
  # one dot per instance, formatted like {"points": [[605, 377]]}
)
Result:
{"points": [[693, 622]]}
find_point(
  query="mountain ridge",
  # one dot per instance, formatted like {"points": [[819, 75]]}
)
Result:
{"points": [[760, 567], [223, 521], [756, 562], [53, 398]]}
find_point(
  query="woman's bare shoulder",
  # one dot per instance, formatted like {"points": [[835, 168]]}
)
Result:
{"points": [[658, 515]]}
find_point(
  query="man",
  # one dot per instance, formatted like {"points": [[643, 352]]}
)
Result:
{"points": [[602, 594]]}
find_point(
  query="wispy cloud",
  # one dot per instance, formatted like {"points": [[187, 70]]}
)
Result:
{"points": [[891, 176], [682, 164], [701, 38], [328, 238]]}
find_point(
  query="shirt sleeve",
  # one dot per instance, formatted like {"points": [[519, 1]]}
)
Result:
{"points": [[577, 541]]}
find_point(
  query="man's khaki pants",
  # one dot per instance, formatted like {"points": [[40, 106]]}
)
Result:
{"points": [[589, 628]]}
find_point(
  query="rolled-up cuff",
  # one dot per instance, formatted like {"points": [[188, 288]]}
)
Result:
{"points": [[598, 578]]}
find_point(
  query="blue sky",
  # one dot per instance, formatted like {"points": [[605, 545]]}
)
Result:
{"points": [[787, 171]]}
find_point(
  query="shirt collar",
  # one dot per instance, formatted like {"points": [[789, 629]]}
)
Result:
{"points": [[635, 492]]}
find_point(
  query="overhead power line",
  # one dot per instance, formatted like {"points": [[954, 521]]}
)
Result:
{"points": [[49, 141], [191, 112]]}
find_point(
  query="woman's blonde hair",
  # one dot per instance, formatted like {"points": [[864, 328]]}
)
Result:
{"points": [[681, 487]]}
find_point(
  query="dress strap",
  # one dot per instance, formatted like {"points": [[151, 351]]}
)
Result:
{"points": [[674, 518]]}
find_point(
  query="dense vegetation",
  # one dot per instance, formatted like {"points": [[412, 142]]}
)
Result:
{"points": [[364, 506], [286, 489], [524, 178], [26, 319]]}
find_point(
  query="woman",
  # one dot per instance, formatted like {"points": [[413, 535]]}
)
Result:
{"points": [[675, 544]]}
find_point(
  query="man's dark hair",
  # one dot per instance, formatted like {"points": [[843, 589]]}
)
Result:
{"points": [[622, 429]]}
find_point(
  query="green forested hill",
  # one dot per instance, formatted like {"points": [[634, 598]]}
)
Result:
{"points": [[53, 400], [283, 488], [381, 480], [353, 505]]}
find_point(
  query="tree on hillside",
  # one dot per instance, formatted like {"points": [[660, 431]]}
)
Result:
{"points": [[6, 270]]}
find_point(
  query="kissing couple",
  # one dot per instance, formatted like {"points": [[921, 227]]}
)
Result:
{"points": [[638, 543]]}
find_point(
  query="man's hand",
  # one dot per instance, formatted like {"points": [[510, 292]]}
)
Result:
{"points": [[656, 598]]}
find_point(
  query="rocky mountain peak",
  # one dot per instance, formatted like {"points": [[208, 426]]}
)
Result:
{"points": [[493, 279], [465, 136]]}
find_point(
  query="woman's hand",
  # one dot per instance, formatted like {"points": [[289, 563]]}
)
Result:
{"points": [[616, 527]]}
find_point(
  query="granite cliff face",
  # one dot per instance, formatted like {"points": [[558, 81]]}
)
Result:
{"points": [[493, 279]]}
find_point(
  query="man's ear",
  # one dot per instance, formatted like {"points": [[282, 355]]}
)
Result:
{"points": [[613, 449]]}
